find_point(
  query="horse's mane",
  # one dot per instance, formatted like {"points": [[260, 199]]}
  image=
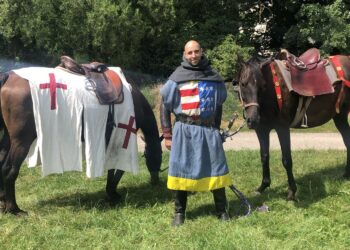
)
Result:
{"points": [[256, 63], [257, 59]]}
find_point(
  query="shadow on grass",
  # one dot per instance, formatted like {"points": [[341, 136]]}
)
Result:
{"points": [[311, 188], [140, 196], [235, 209]]}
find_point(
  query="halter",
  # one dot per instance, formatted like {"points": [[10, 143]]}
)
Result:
{"points": [[245, 106]]}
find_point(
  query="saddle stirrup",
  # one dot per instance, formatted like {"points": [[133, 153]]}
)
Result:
{"points": [[304, 122]]}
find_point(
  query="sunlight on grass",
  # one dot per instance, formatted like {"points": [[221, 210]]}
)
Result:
{"points": [[70, 211]]}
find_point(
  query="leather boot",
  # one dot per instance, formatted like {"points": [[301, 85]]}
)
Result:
{"points": [[180, 208], [221, 204]]}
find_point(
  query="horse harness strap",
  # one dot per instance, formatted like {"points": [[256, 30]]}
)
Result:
{"points": [[251, 104], [341, 75], [339, 69], [248, 104], [277, 85]]}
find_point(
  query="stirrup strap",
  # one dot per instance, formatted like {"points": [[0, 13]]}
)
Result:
{"points": [[301, 110]]}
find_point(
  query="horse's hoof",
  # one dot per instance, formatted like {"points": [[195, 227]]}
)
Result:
{"points": [[16, 212], [291, 196], [256, 193], [114, 198], [346, 176], [154, 178], [21, 213]]}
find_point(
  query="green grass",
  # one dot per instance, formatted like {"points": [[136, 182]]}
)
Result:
{"points": [[69, 211]]}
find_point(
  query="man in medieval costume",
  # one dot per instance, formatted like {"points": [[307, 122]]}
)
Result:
{"points": [[194, 93]]}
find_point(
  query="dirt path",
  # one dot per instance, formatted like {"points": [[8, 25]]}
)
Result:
{"points": [[248, 140]]}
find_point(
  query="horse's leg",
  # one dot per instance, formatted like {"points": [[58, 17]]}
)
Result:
{"points": [[10, 170], [153, 155], [284, 138], [4, 149], [17, 114], [113, 179], [146, 121], [263, 134], [342, 124]]}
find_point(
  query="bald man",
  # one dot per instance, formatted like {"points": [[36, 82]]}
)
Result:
{"points": [[194, 93], [193, 52]]}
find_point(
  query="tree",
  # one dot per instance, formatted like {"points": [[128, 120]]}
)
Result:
{"points": [[323, 26], [227, 56], [296, 25]]}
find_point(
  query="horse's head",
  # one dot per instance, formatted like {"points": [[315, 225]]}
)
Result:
{"points": [[250, 83]]}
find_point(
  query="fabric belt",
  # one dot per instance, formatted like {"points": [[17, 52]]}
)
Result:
{"points": [[199, 122]]}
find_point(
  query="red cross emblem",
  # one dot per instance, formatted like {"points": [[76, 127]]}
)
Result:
{"points": [[53, 85], [129, 129]]}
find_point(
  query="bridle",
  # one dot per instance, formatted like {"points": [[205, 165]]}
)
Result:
{"points": [[245, 105]]}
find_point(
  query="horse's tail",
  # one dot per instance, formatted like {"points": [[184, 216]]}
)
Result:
{"points": [[146, 121]]}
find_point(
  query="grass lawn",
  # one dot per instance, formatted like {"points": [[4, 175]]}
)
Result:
{"points": [[69, 211]]}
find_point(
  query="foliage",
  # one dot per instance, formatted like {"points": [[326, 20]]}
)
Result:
{"points": [[69, 211], [227, 56], [148, 35], [332, 32]]}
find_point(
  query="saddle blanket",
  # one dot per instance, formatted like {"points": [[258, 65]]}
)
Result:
{"points": [[60, 100]]}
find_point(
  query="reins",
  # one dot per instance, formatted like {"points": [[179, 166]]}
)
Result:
{"points": [[225, 132], [224, 135]]}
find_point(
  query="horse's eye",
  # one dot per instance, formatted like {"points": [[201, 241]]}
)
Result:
{"points": [[235, 82]]}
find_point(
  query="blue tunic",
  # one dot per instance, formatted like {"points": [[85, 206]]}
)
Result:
{"points": [[197, 159]]}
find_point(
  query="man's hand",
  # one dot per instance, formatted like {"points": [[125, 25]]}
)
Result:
{"points": [[167, 137], [167, 143]]}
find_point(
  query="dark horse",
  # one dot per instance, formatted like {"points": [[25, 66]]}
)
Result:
{"points": [[18, 126], [263, 113]]}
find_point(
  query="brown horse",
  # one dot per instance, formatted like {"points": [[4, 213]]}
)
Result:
{"points": [[18, 126], [264, 112]]}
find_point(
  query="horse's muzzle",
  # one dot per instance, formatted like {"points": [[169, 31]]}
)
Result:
{"points": [[252, 116]]}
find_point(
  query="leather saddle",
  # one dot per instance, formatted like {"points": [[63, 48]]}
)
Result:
{"points": [[308, 72], [104, 82]]}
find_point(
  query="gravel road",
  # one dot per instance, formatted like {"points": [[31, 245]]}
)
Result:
{"points": [[249, 140]]}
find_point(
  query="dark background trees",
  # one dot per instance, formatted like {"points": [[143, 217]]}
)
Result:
{"points": [[148, 35]]}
